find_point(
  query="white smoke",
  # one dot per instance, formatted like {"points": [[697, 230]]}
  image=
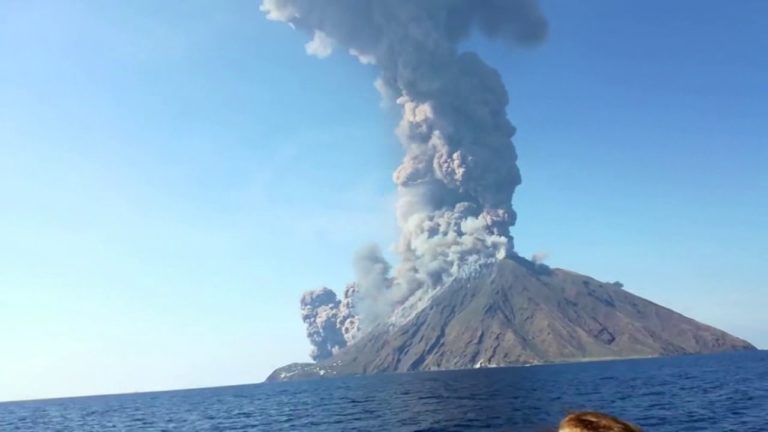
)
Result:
{"points": [[375, 297], [539, 257], [459, 171], [321, 46]]}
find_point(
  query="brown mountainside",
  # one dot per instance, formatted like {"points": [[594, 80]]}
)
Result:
{"points": [[524, 314]]}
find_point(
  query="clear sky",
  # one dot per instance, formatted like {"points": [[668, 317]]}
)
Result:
{"points": [[173, 175]]}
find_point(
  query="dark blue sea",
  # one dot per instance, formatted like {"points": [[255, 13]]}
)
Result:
{"points": [[727, 392]]}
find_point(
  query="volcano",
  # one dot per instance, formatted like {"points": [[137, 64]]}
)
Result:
{"points": [[453, 300], [521, 313]]}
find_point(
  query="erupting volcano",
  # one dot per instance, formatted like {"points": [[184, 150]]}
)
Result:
{"points": [[459, 295]]}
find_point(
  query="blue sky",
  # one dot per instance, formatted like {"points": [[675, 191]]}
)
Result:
{"points": [[173, 175]]}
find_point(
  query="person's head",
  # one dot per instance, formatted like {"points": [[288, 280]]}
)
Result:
{"points": [[594, 422]]}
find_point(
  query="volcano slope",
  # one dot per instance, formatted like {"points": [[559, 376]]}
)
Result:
{"points": [[521, 313]]}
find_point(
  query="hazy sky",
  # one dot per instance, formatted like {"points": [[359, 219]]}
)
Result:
{"points": [[173, 175]]}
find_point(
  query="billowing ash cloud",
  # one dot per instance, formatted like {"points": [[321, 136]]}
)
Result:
{"points": [[331, 325], [459, 172]]}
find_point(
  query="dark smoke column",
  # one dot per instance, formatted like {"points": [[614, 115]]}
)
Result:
{"points": [[459, 172], [330, 322]]}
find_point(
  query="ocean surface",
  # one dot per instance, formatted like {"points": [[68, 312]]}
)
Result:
{"points": [[727, 392]]}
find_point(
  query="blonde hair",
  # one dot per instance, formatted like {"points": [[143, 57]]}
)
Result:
{"points": [[595, 422]]}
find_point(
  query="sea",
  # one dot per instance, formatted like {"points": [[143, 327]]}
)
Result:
{"points": [[724, 392]]}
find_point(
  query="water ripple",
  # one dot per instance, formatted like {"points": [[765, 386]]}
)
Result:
{"points": [[703, 393]]}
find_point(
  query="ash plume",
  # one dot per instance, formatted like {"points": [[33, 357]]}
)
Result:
{"points": [[376, 294], [331, 325], [459, 171]]}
